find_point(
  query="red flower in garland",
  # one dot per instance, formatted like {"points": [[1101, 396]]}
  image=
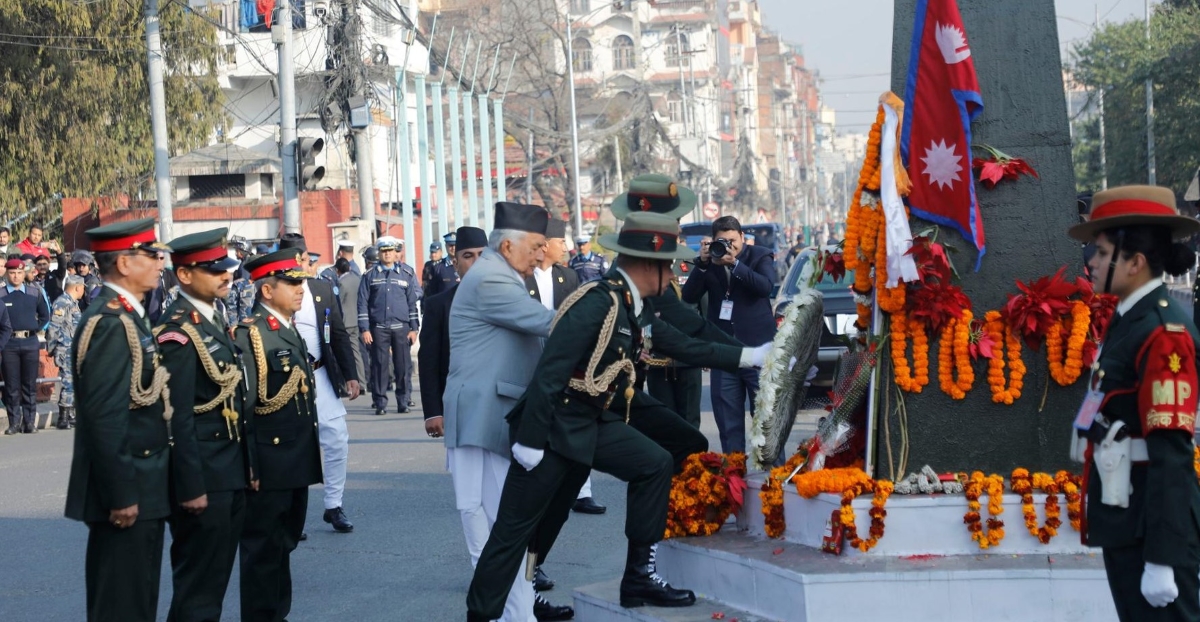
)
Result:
{"points": [[999, 166], [982, 342], [935, 304], [1036, 310], [834, 266], [930, 257]]}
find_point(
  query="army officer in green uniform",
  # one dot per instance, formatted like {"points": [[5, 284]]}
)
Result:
{"points": [[208, 461], [562, 426], [1136, 426], [281, 435], [119, 470]]}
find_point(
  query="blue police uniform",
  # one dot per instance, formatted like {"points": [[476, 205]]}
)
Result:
{"points": [[387, 308], [28, 313], [442, 276], [589, 267]]}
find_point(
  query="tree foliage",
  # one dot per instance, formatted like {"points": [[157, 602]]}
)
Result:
{"points": [[1118, 59], [75, 101]]}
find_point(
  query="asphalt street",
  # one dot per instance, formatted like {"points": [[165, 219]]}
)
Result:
{"points": [[405, 560]]}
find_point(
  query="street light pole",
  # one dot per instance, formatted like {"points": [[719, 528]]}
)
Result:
{"points": [[574, 126], [1151, 172]]}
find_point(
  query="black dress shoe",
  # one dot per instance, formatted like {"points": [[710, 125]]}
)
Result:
{"points": [[641, 584], [541, 582], [337, 518], [544, 610], [379, 412], [303, 536], [402, 410], [412, 404], [588, 505]]}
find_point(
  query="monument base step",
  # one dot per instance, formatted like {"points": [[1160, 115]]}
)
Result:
{"points": [[601, 602], [790, 582]]}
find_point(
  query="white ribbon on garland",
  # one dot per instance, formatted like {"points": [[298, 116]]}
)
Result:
{"points": [[899, 236]]}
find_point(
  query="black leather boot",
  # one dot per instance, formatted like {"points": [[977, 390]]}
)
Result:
{"points": [[641, 584], [31, 422], [14, 425], [64, 418], [71, 418], [545, 611]]}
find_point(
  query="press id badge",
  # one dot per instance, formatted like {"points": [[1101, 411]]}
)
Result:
{"points": [[1089, 410], [726, 310]]}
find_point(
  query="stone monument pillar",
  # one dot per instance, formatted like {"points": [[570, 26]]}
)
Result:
{"points": [[1014, 45]]}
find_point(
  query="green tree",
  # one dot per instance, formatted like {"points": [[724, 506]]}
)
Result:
{"points": [[75, 101], [1118, 59]]}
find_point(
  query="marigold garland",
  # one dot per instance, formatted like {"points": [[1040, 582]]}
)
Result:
{"points": [[771, 496], [954, 355], [1000, 332], [1067, 372], [1024, 484], [700, 498], [882, 490], [974, 487], [836, 481], [1070, 484], [909, 378]]}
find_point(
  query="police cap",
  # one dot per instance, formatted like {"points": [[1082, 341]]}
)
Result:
{"points": [[205, 249], [126, 236], [284, 264]]}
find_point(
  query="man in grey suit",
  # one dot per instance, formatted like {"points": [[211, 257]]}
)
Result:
{"points": [[347, 283], [496, 332]]}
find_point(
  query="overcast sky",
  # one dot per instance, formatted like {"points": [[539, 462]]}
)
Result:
{"points": [[850, 42]]}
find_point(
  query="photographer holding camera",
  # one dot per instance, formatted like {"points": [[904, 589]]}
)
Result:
{"points": [[738, 279]]}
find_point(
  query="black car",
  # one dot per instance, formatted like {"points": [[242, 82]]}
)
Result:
{"points": [[839, 306]]}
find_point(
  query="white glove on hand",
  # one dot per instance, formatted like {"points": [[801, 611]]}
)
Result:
{"points": [[527, 456], [1158, 585], [754, 357]]}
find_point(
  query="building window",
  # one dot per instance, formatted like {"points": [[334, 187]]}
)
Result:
{"points": [[579, 7], [675, 107], [382, 27], [204, 187], [581, 49], [622, 48], [677, 47]]}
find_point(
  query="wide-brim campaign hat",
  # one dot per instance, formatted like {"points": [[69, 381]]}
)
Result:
{"points": [[1134, 205], [654, 193], [648, 235]]}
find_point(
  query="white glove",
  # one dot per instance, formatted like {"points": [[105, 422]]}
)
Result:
{"points": [[1158, 585], [527, 457], [792, 363], [754, 357]]}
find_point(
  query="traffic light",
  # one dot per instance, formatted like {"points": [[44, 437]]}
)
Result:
{"points": [[308, 173]]}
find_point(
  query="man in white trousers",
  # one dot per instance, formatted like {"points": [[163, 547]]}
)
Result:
{"points": [[331, 355], [496, 332]]}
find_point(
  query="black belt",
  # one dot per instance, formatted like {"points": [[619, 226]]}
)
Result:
{"points": [[315, 364], [21, 334], [601, 401]]}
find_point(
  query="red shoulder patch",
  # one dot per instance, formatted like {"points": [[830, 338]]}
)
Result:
{"points": [[272, 322], [172, 335], [125, 303], [195, 317], [1167, 397]]}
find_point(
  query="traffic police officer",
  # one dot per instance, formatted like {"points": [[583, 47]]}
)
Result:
{"points": [[588, 265], [435, 255], [208, 461], [64, 319], [442, 275], [29, 312], [1135, 428], [119, 471], [387, 321], [281, 435]]}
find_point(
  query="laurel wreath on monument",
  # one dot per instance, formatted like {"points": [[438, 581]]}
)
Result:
{"points": [[781, 382]]}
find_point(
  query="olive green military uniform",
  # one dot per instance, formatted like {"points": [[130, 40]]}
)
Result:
{"points": [[281, 437], [208, 394], [678, 385], [121, 458], [1162, 523], [577, 433]]}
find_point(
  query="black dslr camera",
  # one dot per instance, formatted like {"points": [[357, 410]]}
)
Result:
{"points": [[718, 248]]}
